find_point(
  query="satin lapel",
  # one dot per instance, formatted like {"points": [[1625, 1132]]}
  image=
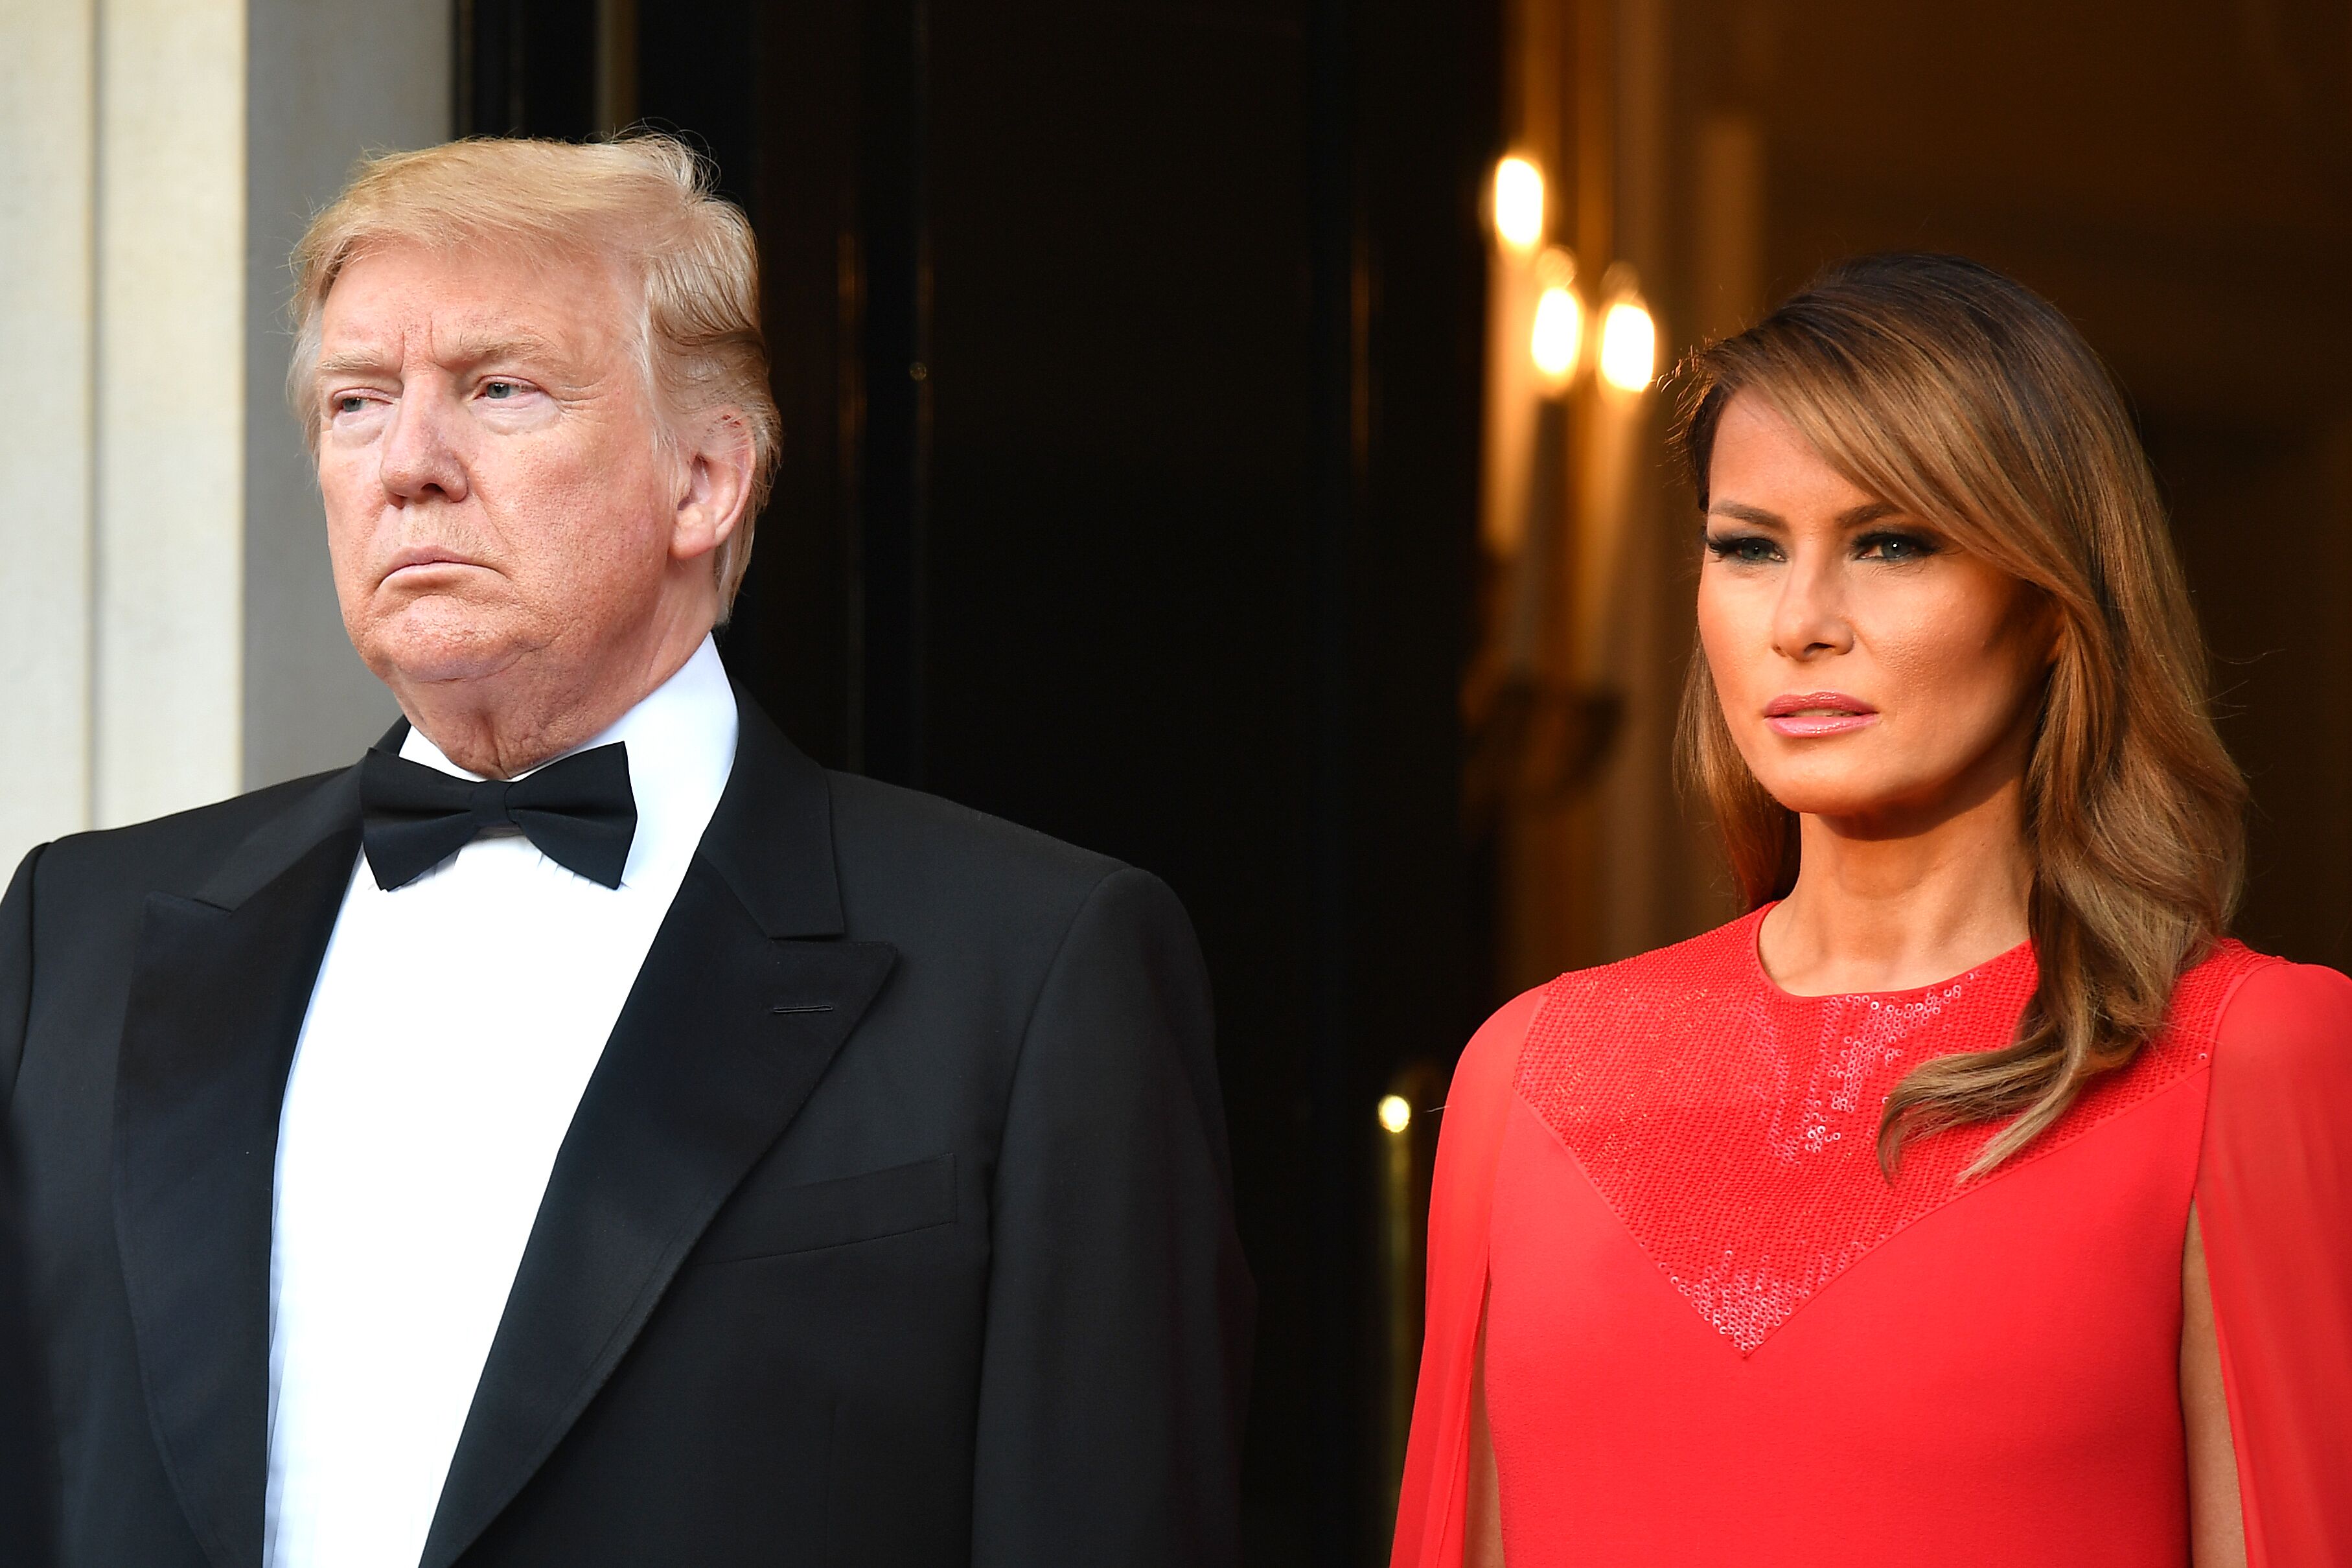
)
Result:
{"points": [[217, 995], [735, 1016]]}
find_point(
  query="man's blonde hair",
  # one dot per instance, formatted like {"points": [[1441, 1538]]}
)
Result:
{"points": [[644, 201]]}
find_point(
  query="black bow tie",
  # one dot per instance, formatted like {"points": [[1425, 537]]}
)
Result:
{"points": [[579, 812]]}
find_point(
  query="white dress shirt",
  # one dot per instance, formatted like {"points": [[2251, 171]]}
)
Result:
{"points": [[454, 1027]]}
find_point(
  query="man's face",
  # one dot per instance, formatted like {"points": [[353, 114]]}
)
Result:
{"points": [[496, 488]]}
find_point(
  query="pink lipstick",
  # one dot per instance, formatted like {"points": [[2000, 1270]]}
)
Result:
{"points": [[1803, 715]]}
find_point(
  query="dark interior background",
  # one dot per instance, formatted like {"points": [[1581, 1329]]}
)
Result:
{"points": [[1128, 358]]}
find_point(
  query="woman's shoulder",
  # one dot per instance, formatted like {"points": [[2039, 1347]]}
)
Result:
{"points": [[1721, 962], [2276, 1027]]}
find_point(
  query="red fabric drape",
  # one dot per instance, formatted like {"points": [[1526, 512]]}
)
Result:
{"points": [[2274, 1203], [1470, 1138]]}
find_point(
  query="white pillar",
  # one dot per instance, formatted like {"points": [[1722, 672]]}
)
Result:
{"points": [[169, 582], [47, 192], [168, 628]]}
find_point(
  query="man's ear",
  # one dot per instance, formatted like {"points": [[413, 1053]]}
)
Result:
{"points": [[715, 484]]}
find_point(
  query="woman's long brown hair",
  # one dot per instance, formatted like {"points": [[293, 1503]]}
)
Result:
{"points": [[1962, 397]]}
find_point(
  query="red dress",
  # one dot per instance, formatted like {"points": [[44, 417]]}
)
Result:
{"points": [[1716, 1335]]}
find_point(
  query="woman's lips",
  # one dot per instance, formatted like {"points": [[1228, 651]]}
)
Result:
{"points": [[1802, 715]]}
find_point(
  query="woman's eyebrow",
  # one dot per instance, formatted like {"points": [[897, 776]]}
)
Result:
{"points": [[1759, 516]]}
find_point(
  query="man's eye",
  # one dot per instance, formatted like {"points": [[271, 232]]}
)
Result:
{"points": [[350, 405], [499, 389]]}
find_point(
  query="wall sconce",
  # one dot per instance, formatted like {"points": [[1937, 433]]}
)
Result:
{"points": [[1543, 703]]}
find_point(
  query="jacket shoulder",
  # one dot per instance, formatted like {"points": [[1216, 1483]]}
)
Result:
{"points": [[884, 832], [175, 852]]}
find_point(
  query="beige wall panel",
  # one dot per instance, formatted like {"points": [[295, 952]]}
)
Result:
{"points": [[47, 82], [171, 403], [332, 80]]}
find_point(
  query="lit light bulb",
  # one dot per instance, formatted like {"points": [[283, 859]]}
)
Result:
{"points": [[1558, 333], [1629, 346], [1520, 204], [1395, 1114]]}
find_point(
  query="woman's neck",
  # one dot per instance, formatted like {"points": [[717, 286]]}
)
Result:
{"points": [[1875, 911]]}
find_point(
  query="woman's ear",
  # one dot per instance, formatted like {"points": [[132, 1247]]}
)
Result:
{"points": [[2057, 633]]}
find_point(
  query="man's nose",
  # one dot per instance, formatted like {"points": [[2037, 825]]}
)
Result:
{"points": [[1811, 617], [420, 461]]}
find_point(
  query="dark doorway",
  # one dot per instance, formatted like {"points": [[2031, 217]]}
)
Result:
{"points": [[1128, 360]]}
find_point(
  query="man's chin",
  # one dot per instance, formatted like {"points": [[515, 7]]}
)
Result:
{"points": [[434, 641]]}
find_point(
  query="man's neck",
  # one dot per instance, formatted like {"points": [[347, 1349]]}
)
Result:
{"points": [[505, 725]]}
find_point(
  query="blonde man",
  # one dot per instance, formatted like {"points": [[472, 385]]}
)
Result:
{"points": [[586, 1132]]}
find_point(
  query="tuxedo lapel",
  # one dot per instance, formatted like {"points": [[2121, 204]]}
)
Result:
{"points": [[217, 994], [743, 1000]]}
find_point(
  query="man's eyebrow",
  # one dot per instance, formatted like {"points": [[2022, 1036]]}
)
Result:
{"points": [[350, 362], [464, 350], [468, 349]]}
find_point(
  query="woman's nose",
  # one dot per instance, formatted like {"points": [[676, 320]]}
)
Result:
{"points": [[1809, 617]]}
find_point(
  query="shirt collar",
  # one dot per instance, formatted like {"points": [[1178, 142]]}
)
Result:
{"points": [[681, 740]]}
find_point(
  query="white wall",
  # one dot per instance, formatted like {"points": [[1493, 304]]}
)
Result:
{"points": [[168, 633], [47, 221], [166, 594]]}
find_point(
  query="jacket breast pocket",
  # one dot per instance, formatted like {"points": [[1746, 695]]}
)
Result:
{"points": [[848, 1209]]}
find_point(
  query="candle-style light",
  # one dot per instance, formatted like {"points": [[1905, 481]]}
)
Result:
{"points": [[1517, 208], [1627, 361], [1520, 204], [1629, 344], [1555, 349], [1556, 341]]}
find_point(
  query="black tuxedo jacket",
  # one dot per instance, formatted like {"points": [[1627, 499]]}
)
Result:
{"points": [[894, 1226]]}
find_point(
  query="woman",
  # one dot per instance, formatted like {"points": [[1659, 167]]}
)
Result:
{"points": [[1973, 1199]]}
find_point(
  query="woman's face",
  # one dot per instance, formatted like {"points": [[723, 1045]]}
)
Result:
{"points": [[1871, 673]]}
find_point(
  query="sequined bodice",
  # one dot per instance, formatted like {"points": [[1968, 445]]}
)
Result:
{"points": [[1733, 1127]]}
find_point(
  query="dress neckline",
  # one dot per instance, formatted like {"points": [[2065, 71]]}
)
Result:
{"points": [[1752, 944]]}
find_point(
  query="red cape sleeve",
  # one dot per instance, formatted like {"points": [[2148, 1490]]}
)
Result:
{"points": [[2274, 1200], [1462, 1194]]}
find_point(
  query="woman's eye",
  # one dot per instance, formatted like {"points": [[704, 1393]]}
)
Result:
{"points": [[1893, 547], [1745, 548]]}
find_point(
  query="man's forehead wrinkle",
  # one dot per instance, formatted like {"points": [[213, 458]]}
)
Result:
{"points": [[555, 319]]}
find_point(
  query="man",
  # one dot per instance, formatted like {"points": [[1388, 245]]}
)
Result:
{"points": [[586, 1132]]}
